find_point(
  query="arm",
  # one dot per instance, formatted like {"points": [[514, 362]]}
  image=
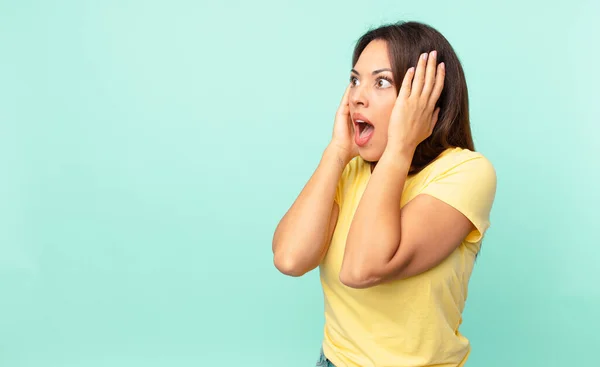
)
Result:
{"points": [[398, 243], [302, 236], [384, 241]]}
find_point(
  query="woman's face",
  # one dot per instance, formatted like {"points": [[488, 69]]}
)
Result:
{"points": [[372, 97]]}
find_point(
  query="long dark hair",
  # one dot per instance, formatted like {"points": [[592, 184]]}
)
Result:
{"points": [[406, 41]]}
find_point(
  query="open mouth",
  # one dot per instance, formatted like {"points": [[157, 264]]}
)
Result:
{"points": [[364, 127]]}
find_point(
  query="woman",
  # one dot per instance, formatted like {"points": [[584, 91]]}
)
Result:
{"points": [[396, 210]]}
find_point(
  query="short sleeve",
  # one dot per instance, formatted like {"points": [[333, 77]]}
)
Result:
{"points": [[470, 187]]}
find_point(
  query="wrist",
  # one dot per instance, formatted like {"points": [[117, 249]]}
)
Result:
{"points": [[342, 156], [400, 151]]}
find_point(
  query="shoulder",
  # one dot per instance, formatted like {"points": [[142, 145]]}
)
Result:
{"points": [[354, 172], [345, 180], [459, 163], [465, 180], [355, 168]]}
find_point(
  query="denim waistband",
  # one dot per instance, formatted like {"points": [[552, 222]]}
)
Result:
{"points": [[323, 361]]}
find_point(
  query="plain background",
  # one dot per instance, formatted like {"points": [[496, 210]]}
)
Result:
{"points": [[149, 148]]}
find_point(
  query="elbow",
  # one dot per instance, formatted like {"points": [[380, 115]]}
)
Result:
{"points": [[288, 265], [359, 278]]}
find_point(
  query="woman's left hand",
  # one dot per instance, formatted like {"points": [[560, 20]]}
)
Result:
{"points": [[413, 117]]}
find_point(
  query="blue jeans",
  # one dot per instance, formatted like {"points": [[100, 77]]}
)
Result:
{"points": [[323, 361]]}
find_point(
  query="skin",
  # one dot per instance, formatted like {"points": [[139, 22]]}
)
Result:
{"points": [[396, 243]]}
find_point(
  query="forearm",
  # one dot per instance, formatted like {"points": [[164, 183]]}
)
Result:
{"points": [[300, 238], [375, 233]]}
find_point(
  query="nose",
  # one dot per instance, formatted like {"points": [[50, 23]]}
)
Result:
{"points": [[359, 96]]}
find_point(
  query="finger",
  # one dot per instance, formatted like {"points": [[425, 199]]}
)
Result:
{"points": [[438, 86], [430, 75], [406, 83], [434, 120], [417, 86], [344, 100], [343, 108]]}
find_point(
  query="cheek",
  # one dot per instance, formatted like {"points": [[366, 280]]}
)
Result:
{"points": [[385, 111]]}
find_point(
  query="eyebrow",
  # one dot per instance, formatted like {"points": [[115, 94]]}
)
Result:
{"points": [[373, 73]]}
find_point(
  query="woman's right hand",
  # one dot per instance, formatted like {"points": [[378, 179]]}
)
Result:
{"points": [[343, 130]]}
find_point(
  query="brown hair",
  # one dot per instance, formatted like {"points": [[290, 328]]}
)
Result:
{"points": [[406, 41]]}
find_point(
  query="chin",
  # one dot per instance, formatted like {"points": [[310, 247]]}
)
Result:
{"points": [[369, 154]]}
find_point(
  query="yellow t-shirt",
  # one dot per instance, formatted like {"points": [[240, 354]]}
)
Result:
{"points": [[414, 321]]}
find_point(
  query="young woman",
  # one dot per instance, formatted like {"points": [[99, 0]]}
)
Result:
{"points": [[396, 210]]}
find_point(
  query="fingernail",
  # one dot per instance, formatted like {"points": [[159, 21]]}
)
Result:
{"points": [[424, 56], [443, 66], [433, 53]]}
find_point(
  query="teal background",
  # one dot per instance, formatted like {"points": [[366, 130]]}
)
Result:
{"points": [[148, 150]]}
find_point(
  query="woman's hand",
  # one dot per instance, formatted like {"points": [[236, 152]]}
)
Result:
{"points": [[413, 117], [343, 130]]}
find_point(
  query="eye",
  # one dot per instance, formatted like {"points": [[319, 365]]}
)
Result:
{"points": [[353, 80], [384, 82]]}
